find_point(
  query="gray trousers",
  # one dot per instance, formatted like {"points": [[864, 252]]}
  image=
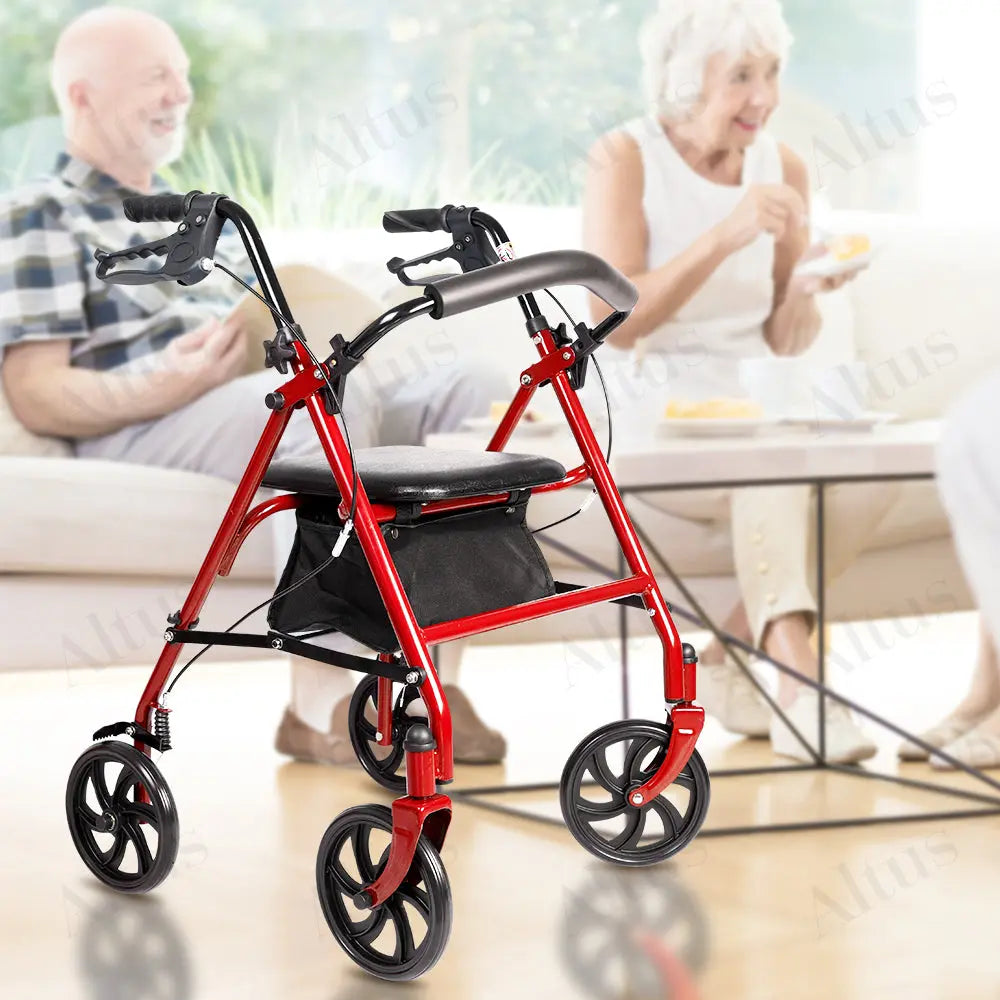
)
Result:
{"points": [[216, 434]]}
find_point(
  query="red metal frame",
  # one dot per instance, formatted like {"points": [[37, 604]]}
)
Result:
{"points": [[410, 813]]}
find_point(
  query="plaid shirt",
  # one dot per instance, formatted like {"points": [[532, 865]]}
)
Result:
{"points": [[49, 288]]}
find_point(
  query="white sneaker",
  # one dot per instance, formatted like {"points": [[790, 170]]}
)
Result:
{"points": [[845, 742], [975, 749], [728, 695], [939, 736]]}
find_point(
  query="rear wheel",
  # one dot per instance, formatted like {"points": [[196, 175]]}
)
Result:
{"points": [[128, 843], [386, 764]]}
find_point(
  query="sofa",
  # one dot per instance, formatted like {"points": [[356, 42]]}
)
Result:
{"points": [[94, 555]]}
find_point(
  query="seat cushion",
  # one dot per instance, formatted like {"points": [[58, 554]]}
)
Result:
{"points": [[411, 474]]}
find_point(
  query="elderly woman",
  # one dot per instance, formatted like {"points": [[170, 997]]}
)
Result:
{"points": [[708, 215]]}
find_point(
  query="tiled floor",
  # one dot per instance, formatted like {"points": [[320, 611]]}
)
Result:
{"points": [[877, 912]]}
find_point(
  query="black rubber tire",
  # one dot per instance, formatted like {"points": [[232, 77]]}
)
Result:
{"points": [[647, 744], [386, 765], [127, 815], [426, 890]]}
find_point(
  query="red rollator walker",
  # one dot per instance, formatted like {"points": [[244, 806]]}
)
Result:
{"points": [[402, 548]]}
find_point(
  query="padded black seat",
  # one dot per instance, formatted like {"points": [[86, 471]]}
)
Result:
{"points": [[411, 474]]}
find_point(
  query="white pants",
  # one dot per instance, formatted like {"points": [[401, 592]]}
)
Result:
{"points": [[217, 433], [772, 528], [969, 481]]}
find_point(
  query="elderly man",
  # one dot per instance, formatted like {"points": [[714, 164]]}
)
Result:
{"points": [[153, 374]]}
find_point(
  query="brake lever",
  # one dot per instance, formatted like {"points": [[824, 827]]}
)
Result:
{"points": [[471, 249], [398, 266], [188, 251]]}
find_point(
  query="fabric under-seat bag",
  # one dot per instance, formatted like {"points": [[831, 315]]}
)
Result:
{"points": [[450, 566]]}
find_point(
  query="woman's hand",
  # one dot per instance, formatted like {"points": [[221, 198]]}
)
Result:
{"points": [[766, 208]]}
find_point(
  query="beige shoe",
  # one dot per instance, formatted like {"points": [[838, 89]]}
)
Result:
{"points": [[939, 736], [975, 749], [726, 693], [473, 741], [298, 740], [845, 742]]}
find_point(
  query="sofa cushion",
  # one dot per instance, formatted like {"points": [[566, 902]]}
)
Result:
{"points": [[926, 310], [90, 516]]}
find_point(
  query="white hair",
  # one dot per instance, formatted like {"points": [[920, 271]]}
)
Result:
{"points": [[677, 41]]}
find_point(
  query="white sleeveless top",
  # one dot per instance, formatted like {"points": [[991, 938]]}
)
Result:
{"points": [[698, 350]]}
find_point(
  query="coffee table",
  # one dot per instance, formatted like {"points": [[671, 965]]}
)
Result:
{"points": [[779, 457]]}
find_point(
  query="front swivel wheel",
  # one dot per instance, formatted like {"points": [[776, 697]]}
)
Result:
{"points": [[403, 937], [605, 769]]}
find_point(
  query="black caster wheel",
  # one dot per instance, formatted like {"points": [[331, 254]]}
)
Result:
{"points": [[128, 844], [601, 772], [407, 934], [387, 765]]}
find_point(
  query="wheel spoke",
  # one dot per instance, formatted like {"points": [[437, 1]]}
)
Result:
{"points": [[390, 764], [419, 899], [126, 780], [685, 780], [643, 774], [631, 756], [600, 810], [597, 764], [142, 814], [99, 781], [138, 838], [85, 813], [370, 928], [629, 837], [112, 858], [669, 813], [405, 948], [341, 879], [362, 852]]}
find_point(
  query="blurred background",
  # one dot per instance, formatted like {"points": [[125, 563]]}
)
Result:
{"points": [[322, 113]]}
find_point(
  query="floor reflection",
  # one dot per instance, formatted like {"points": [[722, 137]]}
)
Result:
{"points": [[634, 934], [131, 949], [363, 987]]}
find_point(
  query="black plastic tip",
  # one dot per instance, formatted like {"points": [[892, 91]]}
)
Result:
{"points": [[419, 739], [690, 656]]}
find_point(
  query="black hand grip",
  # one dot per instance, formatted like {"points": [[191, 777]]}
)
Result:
{"points": [[157, 207], [463, 292], [416, 220]]}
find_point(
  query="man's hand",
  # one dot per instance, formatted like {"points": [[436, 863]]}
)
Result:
{"points": [[204, 358]]}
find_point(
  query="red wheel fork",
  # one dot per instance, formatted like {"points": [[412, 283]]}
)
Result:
{"points": [[422, 809], [686, 725]]}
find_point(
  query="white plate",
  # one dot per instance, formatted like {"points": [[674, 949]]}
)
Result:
{"points": [[713, 426], [828, 266], [865, 422], [526, 428]]}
